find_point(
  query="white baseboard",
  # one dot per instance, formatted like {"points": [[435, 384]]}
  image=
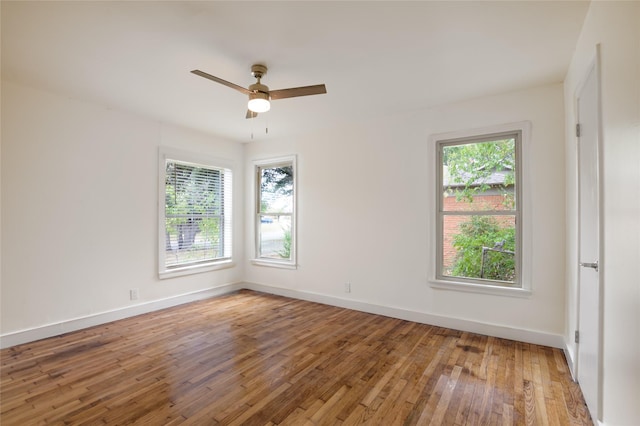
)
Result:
{"points": [[522, 335], [56, 329], [570, 356]]}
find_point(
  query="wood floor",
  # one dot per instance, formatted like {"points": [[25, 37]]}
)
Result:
{"points": [[254, 359]]}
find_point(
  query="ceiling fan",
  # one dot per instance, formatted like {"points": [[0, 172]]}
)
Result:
{"points": [[260, 95]]}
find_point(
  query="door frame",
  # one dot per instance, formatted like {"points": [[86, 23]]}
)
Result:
{"points": [[594, 66]]}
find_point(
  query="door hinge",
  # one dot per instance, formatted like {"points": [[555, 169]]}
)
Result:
{"points": [[577, 336], [578, 130]]}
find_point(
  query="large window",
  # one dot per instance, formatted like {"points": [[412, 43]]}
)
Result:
{"points": [[195, 216], [275, 212], [479, 210]]}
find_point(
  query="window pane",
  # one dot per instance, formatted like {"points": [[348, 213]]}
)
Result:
{"points": [[275, 210], [191, 189], [276, 189], [479, 176], [192, 240], [479, 246], [275, 236]]}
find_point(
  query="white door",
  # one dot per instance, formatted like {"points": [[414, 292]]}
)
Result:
{"points": [[589, 243]]}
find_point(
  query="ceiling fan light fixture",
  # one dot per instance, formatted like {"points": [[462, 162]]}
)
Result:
{"points": [[259, 102]]}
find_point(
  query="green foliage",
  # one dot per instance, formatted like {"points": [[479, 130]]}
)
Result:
{"points": [[472, 164], [192, 190], [276, 190], [277, 180], [479, 232], [285, 253]]}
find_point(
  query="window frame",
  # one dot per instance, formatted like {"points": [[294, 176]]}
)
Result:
{"points": [[190, 158], [522, 285], [258, 165]]}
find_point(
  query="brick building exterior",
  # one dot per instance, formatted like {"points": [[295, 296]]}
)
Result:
{"points": [[492, 199]]}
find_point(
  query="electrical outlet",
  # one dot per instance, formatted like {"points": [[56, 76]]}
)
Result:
{"points": [[134, 294], [347, 287]]}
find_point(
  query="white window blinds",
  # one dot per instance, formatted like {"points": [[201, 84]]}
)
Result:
{"points": [[197, 214]]}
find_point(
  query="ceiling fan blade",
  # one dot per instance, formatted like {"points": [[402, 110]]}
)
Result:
{"points": [[318, 89], [251, 114], [221, 81]]}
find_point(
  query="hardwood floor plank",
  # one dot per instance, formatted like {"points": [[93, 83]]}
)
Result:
{"points": [[428, 410], [438, 417], [518, 385], [297, 417], [467, 389], [358, 416], [538, 389], [326, 410], [255, 359]]}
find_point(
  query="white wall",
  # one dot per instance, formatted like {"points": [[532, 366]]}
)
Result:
{"points": [[616, 27], [79, 213], [79, 208], [363, 212]]}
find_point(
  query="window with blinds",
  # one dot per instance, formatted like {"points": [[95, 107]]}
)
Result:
{"points": [[197, 215]]}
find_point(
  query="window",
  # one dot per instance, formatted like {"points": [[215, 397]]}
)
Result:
{"points": [[195, 217], [479, 210], [275, 212]]}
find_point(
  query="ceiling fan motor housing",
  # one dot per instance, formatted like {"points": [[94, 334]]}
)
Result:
{"points": [[258, 70], [259, 88]]}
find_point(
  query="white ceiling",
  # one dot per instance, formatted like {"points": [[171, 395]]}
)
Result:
{"points": [[376, 58]]}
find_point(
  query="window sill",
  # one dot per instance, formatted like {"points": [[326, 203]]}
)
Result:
{"points": [[274, 264], [480, 288], [196, 269]]}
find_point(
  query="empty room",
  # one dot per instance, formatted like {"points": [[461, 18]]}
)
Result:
{"points": [[322, 212]]}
